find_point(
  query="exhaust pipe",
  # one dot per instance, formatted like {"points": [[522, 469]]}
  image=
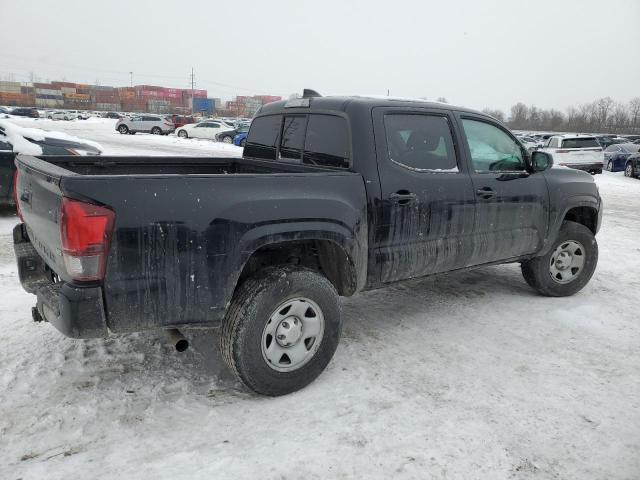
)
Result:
{"points": [[175, 338]]}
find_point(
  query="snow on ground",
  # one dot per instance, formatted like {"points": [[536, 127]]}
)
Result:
{"points": [[461, 376], [102, 130]]}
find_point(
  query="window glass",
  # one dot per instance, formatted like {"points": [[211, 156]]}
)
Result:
{"points": [[611, 148], [580, 143], [421, 142], [293, 129], [327, 141], [492, 149], [263, 137]]}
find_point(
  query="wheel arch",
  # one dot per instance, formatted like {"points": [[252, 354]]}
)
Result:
{"points": [[328, 249]]}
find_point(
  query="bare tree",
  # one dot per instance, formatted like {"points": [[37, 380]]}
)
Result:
{"points": [[497, 114]]}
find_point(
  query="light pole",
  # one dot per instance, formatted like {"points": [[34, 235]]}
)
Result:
{"points": [[131, 78]]}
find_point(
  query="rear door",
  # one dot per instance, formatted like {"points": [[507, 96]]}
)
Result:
{"points": [[427, 210], [512, 205]]}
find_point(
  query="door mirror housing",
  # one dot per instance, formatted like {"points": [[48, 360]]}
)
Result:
{"points": [[541, 161]]}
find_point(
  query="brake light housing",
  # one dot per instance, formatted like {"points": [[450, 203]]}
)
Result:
{"points": [[85, 236]]}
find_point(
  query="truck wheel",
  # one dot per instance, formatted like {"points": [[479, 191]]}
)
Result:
{"points": [[156, 131], [123, 129], [568, 266], [281, 329]]}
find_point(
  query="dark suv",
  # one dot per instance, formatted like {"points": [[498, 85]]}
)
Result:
{"points": [[25, 112]]}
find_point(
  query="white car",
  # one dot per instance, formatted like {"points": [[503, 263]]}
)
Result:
{"points": [[60, 115], [582, 152], [206, 129]]}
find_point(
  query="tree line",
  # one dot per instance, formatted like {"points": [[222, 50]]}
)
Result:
{"points": [[604, 115]]}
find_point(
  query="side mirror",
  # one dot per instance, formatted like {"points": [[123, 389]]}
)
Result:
{"points": [[541, 161]]}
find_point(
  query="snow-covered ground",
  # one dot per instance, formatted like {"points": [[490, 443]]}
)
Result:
{"points": [[102, 130], [461, 376]]}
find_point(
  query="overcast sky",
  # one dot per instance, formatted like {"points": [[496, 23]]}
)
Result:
{"points": [[489, 53]]}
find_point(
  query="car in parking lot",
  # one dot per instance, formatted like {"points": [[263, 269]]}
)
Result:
{"points": [[205, 129], [632, 166], [25, 112], [240, 139], [112, 115], [582, 152], [615, 156], [59, 115], [33, 141], [180, 120], [154, 124]]}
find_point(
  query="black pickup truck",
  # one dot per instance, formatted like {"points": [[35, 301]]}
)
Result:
{"points": [[333, 195]]}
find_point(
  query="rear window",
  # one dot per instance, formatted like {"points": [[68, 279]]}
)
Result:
{"points": [[293, 129], [580, 143], [263, 137], [327, 141]]}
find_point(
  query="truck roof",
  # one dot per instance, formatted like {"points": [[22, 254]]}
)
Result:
{"points": [[340, 103]]}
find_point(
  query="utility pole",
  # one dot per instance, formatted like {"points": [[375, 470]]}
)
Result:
{"points": [[193, 82], [131, 78]]}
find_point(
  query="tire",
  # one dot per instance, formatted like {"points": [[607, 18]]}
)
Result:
{"points": [[50, 117], [66, 118], [227, 139], [548, 278], [609, 166], [123, 129], [156, 131], [183, 134], [131, 132], [243, 142], [256, 309], [628, 170]]}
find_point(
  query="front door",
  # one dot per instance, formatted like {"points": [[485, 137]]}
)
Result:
{"points": [[427, 207], [512, 205]]}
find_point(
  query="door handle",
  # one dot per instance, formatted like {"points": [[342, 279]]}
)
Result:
{"points": [[403, 197], [486, 193]]}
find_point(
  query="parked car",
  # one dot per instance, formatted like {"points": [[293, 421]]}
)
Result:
{"points": [[607, 140], [227, 136], [582, 152], [333, 196], [615, 156], [31, 141], [154, 124], [180, 120], [59, 115], [240, 139], [5, 111], [206, 129], [25, 112], [632, 166], [112, 115]]}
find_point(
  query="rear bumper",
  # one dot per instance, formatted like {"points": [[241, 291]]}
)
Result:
{"points": [[77, 312], [586, 167]]}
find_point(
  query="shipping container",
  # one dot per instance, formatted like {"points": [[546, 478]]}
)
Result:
{"points": [[108, 107], [48, 91], [64, 84], [49, 103], [77, 96], [68, 89]]}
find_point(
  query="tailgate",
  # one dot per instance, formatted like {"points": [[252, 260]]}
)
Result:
{"points": [[39, 199], [577, 156]]}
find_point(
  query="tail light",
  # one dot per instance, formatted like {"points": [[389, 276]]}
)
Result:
{"points": [[85, 233], [15, 195]]}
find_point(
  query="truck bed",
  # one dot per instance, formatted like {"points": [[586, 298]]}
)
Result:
{"points": [[184, 227]]}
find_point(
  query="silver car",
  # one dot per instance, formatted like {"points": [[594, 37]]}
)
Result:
{"points": [[155, 124]]}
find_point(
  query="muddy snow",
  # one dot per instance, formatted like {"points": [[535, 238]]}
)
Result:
{"points": [[461, 376]]}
